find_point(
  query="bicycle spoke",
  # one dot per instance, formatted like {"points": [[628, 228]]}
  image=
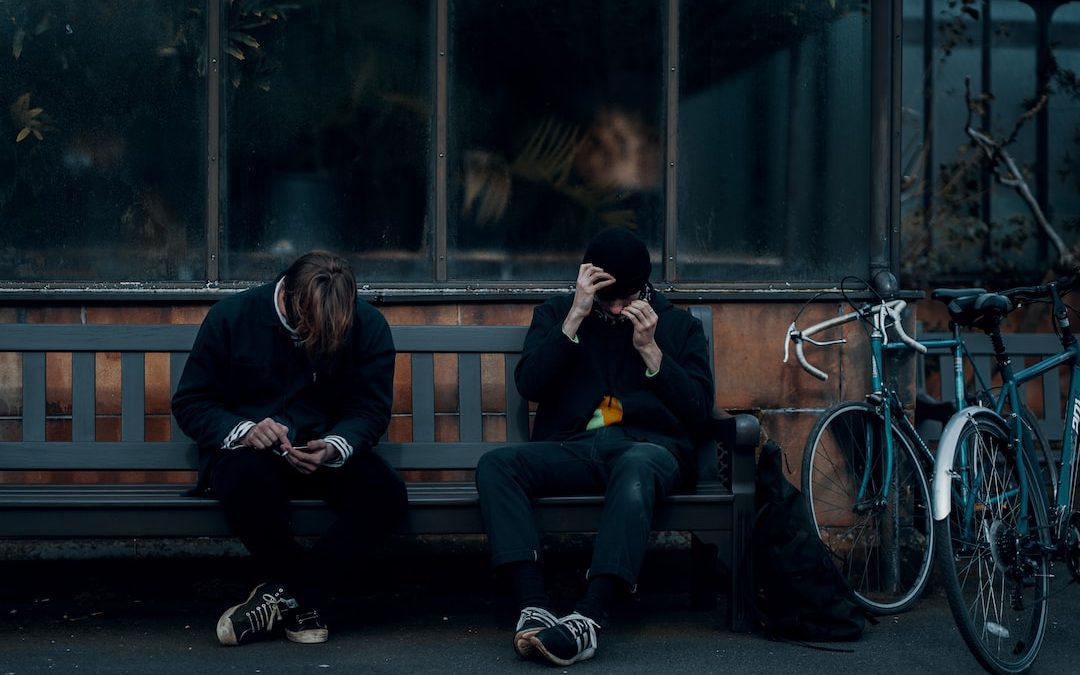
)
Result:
{"points": [[879, 534], [996, 588]]}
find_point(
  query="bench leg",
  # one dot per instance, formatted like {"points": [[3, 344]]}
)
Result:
{"points": [[706, 569], [743, 585]]}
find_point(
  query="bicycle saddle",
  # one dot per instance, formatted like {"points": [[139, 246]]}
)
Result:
{"points": [[982, 311]]}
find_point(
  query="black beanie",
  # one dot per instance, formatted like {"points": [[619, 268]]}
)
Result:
{"points": [[621, 254]]}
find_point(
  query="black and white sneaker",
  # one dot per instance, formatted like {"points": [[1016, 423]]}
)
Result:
{"points": [[532, 621], [571, 640], [257, 617], [304, 626]]}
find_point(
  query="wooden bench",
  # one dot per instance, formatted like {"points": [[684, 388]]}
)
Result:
{"points": [[719, 513]]}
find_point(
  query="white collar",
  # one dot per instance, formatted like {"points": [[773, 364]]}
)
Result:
{"points": [[277, 308]]}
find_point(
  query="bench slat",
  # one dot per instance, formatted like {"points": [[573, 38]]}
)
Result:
{"points": [[132, 396], [470, 410], [435, 508], [177, 361], [423, 397], [97, 337], [104, 455], [459, 339], [83, 396], [33, 404]]}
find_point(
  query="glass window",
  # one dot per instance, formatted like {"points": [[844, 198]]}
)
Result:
{"points": [[102, 149], [774, 140], [1063, 112], [960, 225], [554, 121], [328, 116], [554, 132]]}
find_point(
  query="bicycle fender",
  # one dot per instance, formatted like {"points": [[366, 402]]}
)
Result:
{"points": [[943, 463]]}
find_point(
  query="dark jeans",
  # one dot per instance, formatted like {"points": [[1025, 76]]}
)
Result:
{"points": [[630, 474], [254, 488]]}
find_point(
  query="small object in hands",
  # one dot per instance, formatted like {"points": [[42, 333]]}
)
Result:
{"points": [[301, 448]]}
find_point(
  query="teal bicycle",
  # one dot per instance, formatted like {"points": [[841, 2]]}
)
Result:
{"points": [[1003, 512], [865, 470]]}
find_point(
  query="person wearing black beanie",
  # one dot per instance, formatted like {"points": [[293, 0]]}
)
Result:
{"points": [[623, 388]]}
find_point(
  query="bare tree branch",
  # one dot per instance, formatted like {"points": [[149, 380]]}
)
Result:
{"points": [[1007, 173]]}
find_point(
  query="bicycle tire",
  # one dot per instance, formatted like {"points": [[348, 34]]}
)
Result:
{"points": [[996, 591], [883, 547]]}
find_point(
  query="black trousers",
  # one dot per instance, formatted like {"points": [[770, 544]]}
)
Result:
{"points": [[630, 474], [254, 488]]}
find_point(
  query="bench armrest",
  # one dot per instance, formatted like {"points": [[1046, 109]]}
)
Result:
{"points": [[728, 451], [739, 433]]}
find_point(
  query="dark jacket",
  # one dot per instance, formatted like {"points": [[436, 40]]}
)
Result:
{"points": [[244, 366], [567, 380]]}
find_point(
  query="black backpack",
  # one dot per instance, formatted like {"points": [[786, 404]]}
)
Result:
{"points": [[800, 595]]}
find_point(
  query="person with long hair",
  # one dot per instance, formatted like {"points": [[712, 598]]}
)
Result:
{"points": [[287, 389]]}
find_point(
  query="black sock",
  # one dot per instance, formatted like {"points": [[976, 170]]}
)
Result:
{"points": [[527, 582], [598, 597]]}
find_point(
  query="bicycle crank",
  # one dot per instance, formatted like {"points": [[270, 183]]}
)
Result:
{"points": [[1072, 545]]}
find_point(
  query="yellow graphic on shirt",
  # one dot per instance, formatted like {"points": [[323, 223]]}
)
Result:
{"points": [[607, 413]]}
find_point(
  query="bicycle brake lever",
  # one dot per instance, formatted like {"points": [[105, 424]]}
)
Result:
{"points": [[792, 334]]}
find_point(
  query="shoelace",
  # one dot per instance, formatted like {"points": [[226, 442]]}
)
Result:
{"points": [[313, 616], [264, 615], [582, 628], [536, 614]]}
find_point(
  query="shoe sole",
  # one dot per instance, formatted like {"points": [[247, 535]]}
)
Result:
{"points": [[582, 655], [308, 637], [226, 634]]}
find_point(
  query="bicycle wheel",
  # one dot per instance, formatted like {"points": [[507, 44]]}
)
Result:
{"points": [[995, 575], [880, 534]]}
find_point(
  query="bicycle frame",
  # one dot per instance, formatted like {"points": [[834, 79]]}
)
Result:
{"points": [[892, 410], [1008, 407], [1011, 396]]}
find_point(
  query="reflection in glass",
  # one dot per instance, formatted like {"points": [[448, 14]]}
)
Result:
{"points": [[554, 128], [773, 152], [102, 161], [328, 115]]}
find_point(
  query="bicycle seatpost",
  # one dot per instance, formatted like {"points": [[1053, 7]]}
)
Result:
{"points": [[1061, 316]]}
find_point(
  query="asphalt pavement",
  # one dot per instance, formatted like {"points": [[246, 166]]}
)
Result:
{"points": [[435, 614]]}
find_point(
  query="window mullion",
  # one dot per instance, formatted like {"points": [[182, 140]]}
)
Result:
{"points": [[671, 121]]}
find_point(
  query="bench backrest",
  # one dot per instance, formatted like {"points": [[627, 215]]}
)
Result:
{"points": [[478, 349], [1044, 396]]}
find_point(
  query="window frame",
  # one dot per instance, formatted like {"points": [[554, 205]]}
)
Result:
{"points": [[882, 185]]}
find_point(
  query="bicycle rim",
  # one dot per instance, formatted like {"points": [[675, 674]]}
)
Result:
{"points": [[995, 577], [880, 536]]}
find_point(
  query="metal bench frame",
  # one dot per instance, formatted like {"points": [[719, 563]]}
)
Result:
{"points": [[719, 513]]}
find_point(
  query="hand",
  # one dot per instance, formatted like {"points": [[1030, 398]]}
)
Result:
{"points": [[267, 434], [306, 459], [590, 279], [644, 319]]}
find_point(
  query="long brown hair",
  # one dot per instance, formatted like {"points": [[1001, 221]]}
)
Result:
{"points": [[320, 301]]}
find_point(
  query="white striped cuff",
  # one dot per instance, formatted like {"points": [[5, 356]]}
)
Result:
{"points": [[232, 441], [344, 451]]}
